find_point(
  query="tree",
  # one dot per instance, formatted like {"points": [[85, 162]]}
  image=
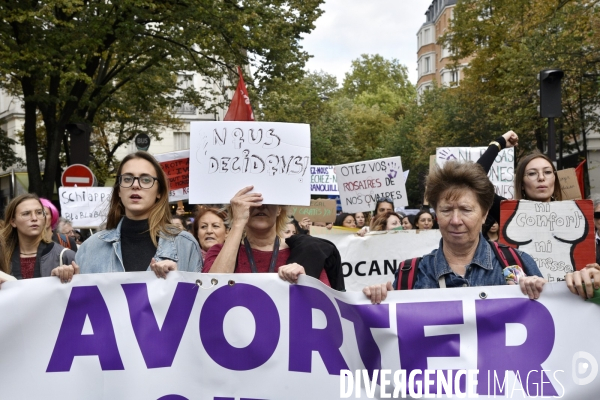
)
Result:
{"points": [[369, 73], [314, 99], [510, 42], [69, 59]]}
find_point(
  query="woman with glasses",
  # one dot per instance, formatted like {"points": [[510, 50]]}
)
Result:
{"points": [[29, 252], [139, 235], [535, 176]]}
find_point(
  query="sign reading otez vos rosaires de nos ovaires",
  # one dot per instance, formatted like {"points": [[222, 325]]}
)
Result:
{"points": [[228, 156]]}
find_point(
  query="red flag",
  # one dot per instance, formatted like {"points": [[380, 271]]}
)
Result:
{"points": [[579, 173], [239, 108]]}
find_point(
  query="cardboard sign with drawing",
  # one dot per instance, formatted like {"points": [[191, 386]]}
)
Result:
{"points": [[559, 235]]}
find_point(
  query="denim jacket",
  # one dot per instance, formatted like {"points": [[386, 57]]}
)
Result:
{"points": [[102, 252], [484, 270]]}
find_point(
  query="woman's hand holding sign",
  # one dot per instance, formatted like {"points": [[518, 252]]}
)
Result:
{"points": [[241, 203]]}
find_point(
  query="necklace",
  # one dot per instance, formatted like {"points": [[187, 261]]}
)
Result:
{"points": [[28, 254]]}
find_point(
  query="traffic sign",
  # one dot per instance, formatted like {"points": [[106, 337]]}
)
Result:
{"points": [[78, 175], [142, 142]]}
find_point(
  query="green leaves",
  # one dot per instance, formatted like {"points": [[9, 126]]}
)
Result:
{"points": [[110, 64]]}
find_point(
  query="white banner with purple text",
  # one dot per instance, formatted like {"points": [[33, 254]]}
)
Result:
{"points": [[254, 336]]}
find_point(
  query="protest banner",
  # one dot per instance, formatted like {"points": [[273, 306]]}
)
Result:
{"points": [[320, 210], [323, 180], [501, 174], [375, 257], [254, 336], [361, 184], [87, 207], [229, 156], [568, 184], [176, 165], [559, 235]]}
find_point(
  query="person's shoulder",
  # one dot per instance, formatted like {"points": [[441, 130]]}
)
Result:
{"points": [[185, 236]]}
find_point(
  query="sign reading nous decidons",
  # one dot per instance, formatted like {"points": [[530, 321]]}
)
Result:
{"points": [[228, 156], [361, 184], [501, 174]]}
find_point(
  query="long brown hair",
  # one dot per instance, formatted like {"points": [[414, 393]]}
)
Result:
{"points": [[159, 220], [10, 236], [520, 174]]}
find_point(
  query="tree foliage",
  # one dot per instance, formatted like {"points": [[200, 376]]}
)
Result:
{"points": [[73, 61], [511, 42]]}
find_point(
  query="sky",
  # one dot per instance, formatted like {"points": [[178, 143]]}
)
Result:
{"points": [[349, 28]]}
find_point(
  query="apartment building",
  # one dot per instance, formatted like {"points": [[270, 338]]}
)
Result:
{"points": [[433, 60]]}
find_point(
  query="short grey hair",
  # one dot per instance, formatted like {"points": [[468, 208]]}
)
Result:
{"points": [[62, 222]]}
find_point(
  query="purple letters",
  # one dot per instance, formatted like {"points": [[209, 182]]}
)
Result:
{"points": [[414, 346], [304, 339], [85, 301], [158, 346], [496, 357], [365, 317], [266, 319]]}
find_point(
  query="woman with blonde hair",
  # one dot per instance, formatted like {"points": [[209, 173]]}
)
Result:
{"points": [[254, 244], [28, 253], [139, 235]]}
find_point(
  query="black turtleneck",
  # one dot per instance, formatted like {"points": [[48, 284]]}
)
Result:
{"points": [[136, 245]]}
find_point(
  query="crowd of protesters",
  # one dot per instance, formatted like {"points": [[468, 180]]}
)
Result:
{"points": [[250, 236]]}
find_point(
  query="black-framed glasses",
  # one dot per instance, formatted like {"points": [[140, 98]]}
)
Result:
{"points": [[146, 181]]}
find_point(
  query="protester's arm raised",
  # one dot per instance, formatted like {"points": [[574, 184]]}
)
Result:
{"points": [[240, 209]]}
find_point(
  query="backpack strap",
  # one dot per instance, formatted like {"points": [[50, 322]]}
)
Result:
{"points": [[406, 274], [506, 255]]}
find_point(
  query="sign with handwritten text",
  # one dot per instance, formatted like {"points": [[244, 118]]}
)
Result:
{"points": [[559, 235], [176, 165], [320, 210], [501, 174], [323, 180], [86, 207], [227, 156], [361, 184], [568, 184]]}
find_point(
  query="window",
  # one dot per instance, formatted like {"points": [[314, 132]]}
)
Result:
{"points": [[427, 65], [181, 140], [454, 76], [185, 82]]}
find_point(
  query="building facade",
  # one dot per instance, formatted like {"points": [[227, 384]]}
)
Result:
{"points": [[434, 62]]}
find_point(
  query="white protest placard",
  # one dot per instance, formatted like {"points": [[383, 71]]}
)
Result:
{"points": [[129, 335], [361, 184], [87, 207], [559, 235], [176, 165], [271, 156], [375, 257], [323, 180], [502, 173]]}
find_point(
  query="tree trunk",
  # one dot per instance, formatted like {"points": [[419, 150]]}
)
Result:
{"points": [[30, 138]]}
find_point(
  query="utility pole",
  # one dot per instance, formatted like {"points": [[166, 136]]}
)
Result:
{"points": [[551, 104]]}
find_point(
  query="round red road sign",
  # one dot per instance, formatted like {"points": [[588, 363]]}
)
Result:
{"points": [[77, 175]]}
